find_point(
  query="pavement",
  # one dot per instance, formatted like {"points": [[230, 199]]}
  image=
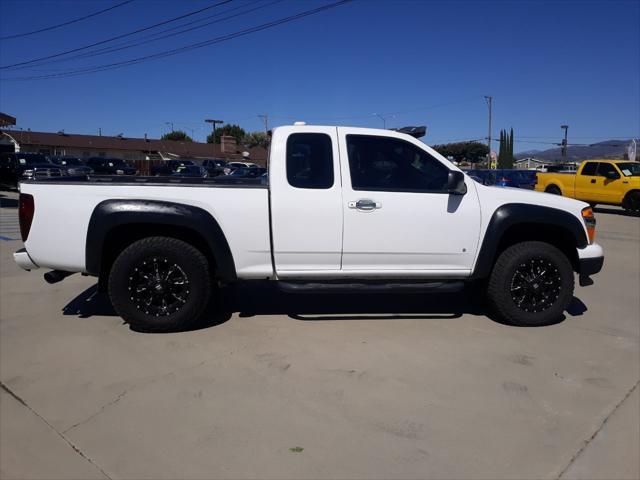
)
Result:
{"points": [[303, 386]]}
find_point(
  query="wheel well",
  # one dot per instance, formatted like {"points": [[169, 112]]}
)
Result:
{"points": [[630, 192], [559, 237], [552, 186], [121, 236]]}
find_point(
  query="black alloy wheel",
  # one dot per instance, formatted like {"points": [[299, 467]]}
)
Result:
{"points": [[531, 284], [160, 284], [535, 285]]}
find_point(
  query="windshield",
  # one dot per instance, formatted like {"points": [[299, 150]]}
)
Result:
{"points": [[68, 161], [32, 160], [189, 170], [629, 169]]}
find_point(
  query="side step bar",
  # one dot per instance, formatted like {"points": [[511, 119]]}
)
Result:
{"points": [[416, 287]]}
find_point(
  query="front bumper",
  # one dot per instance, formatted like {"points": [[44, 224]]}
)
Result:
{"points": [[22, 258], [590, 261]]}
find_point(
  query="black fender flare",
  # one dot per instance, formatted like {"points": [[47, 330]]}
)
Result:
{"points": [[109, 214], [512, 214]]}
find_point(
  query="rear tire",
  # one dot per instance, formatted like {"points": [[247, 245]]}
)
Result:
{"points": [[531, 284], [552, 189], [160, 284]]}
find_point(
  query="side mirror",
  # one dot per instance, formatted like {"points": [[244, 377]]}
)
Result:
{"points": [[455, 183], [612, 175]]}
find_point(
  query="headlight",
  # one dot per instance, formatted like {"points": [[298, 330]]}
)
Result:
{"points": [[119, 172], [589, 222]]}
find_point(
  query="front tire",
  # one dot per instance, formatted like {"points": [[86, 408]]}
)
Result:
{"points": [[160, 284], [531, 284], [631, 202]]}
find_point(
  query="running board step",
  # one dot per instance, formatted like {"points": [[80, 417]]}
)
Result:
{"points": [[426, 287]]}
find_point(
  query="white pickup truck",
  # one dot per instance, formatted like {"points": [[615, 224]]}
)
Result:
{"points": [[344, 209]]}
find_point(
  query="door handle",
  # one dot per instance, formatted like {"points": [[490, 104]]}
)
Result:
{"points": [[593, 180], [365, 205]]}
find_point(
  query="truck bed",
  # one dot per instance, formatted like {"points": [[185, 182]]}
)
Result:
{"points": [[63, 209]]}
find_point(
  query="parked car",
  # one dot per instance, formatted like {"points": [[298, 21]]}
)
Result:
{"points": [[345, 210], [247, 172], [234, 165], [610, 182], [505, 177], [110, 166], [14, 166], [169, 167], [71, 165], [191, 171], [216, 166]]}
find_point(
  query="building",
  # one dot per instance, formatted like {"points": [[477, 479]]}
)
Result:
{"points": [[530, 164], [134, 150]]}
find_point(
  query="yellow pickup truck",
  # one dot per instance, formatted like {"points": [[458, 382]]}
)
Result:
{"points": [[610, 182]]}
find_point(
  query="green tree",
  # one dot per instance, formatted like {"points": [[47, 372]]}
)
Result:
{"points": [[505, 155], [177, 135], [256, 139], [470, 151], [230, 129]]}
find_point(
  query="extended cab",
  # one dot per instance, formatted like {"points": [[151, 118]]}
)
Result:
{"points": [[610, 182], [342, 209]]}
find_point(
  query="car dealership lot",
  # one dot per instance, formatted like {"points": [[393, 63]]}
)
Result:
{"points": [[385, 386]]}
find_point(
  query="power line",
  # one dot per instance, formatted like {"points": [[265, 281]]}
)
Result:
{"points": [[156, 36], [193, 46], [75, 20], [55, 55]]}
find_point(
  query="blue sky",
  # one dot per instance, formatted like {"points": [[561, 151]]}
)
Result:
{"points": [[427, 62]]}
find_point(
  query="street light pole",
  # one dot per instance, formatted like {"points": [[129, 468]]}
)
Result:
{"points": [[265, 119], [489, 100], [213, 124]]}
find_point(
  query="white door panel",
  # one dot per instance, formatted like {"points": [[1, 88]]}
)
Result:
{"points": [[306, 222], [401, 230]]}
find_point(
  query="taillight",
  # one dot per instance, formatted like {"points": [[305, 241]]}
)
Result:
{"points": [[505, 180], [26, 209], [589, 222]]}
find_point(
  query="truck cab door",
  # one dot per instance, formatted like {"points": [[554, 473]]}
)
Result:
{"points": [[610, 183], [306, 201], [587, 182], [399, 218]]}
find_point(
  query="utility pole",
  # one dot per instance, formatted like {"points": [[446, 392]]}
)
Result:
{"points": [[170, 124], [564, 142], [489, 100], [265, 119], [99, 131], [213, 124]]}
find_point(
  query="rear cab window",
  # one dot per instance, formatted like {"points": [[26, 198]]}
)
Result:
{"points": [[589, 169], [309, 161]]}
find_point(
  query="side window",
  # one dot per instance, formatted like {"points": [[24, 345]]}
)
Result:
{"points": [[309, 160], [589, 168], [604, 168], [391, 164]]}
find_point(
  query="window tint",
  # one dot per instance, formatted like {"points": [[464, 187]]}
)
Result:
{"points": [[385, 163], [604, 168], [309, 160], [589, 168]]}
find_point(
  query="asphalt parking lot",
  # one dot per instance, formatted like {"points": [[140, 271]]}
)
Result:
{"points": [[388, 386]]}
